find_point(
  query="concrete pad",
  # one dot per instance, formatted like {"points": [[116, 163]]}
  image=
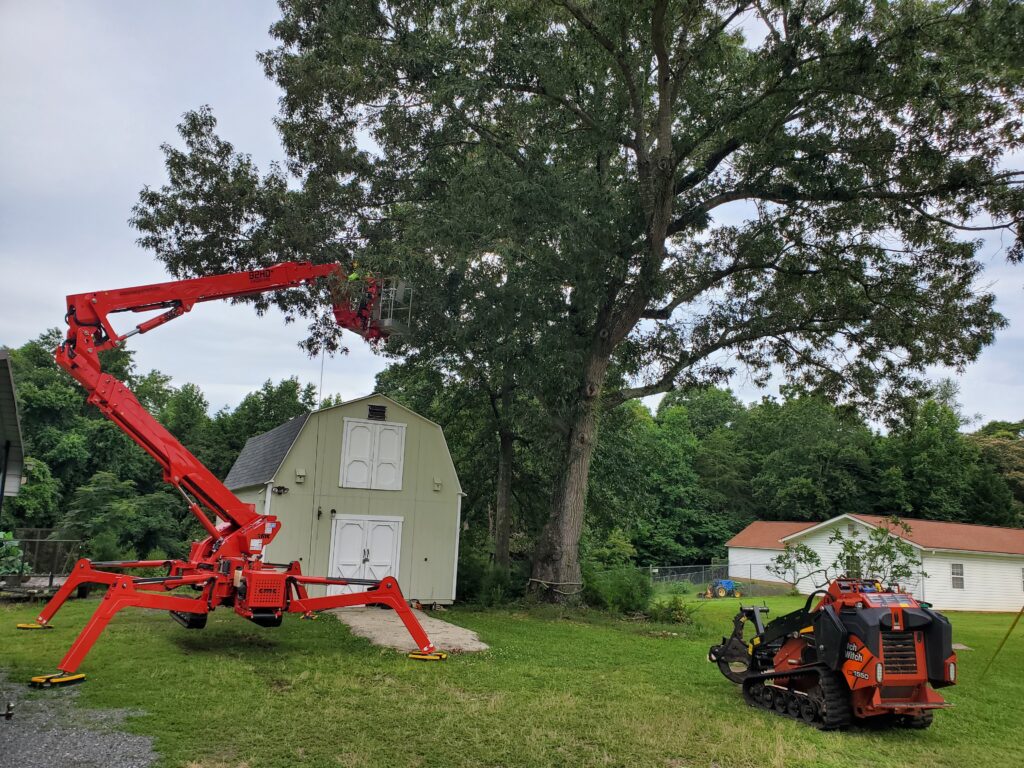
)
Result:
{"points": [[383, 627]]}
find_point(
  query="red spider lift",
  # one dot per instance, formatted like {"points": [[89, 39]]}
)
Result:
{"points": [[227, 568]]}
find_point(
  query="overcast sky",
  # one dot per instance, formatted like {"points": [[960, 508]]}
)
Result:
{"points": [[89, 91]]}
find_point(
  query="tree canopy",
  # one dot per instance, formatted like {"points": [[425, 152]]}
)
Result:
{"points": [[624, 198]]}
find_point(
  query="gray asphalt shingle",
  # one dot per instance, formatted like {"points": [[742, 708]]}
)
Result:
{"points": [[263, 454]]}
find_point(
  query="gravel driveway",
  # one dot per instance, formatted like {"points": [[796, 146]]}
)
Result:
{"points": [[48, 730]]}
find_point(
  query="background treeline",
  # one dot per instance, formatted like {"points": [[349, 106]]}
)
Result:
{"points": [[668, 487], [86, 478], [671, 487]]}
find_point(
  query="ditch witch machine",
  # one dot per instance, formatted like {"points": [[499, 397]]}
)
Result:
{"points": [[227, 568], [862, 651]]}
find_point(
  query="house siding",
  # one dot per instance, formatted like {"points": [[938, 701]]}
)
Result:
{"points": [[991, 582], [752, 564]]}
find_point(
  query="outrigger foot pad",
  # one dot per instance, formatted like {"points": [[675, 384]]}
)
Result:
{"points": [[33, 626], [56, 679], [435, 656]]}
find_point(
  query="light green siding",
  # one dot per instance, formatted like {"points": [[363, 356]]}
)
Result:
{"points": [[428, 501]]}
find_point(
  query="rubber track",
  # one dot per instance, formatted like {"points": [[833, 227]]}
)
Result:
{"points": [[835, 695], [837, 713]]}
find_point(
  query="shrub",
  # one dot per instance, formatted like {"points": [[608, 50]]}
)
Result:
{"points": [[472, 567], [495, 587], [675, 588], [626, 590], [11, 560], [673, 611], [480, 581]]}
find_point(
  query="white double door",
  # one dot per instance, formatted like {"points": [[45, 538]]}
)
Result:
{"points": [[364, 548]]}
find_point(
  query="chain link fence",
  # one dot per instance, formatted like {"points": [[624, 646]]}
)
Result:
{"points": [[45, 560], [757, 580]]}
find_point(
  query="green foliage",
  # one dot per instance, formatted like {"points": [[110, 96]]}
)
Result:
{"points": [[675, 610], [11, 555], [38, 500], [552, 180], [707, 408], [938, 474], [615, 551], [882, 554], [624, 590], [797, 561], [479, 581]]}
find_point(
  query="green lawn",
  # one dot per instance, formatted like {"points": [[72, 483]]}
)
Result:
{"points": [[554, 690]]}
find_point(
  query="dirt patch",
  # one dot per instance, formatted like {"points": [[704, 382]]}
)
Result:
{"points": [[383, 627], [47, 729]]}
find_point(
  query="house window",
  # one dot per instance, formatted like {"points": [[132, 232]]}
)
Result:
{"points": [[958, 575], [372, 455]]}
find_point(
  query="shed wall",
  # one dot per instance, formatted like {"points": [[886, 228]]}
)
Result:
{"points": [[429, 516]]}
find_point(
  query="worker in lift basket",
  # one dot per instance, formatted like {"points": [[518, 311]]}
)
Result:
{"points": [[363, 310]]}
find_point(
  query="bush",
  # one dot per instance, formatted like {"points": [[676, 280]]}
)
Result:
{"points": [[495, 587], [480, 581], [11, 560], [469, 580], [675, 588], [673, 611], [626, 590]]}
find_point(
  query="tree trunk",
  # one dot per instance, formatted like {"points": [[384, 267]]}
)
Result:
{"points": [[556, 565], [503, 505]]}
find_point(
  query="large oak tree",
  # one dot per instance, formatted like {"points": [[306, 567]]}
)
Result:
{"points": [[659, 190]]}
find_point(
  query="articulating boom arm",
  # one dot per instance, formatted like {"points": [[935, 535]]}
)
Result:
{"points": [[228, 567], [90, 332]]}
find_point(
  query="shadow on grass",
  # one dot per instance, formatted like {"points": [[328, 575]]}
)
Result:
{"points": [[227, 643]]}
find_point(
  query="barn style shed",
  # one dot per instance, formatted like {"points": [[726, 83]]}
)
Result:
{"points": [[964, 567], [364, 489]]}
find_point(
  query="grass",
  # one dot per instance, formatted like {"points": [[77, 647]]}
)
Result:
{"points": [[556, 689]]}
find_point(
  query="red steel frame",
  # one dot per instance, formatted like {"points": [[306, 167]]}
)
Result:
{"points": [[226, 568]]}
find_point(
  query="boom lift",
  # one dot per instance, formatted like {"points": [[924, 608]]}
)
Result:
{"points": [[227, 568]]}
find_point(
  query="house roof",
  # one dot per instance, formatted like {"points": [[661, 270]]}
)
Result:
{"points": [[965, 537], [926, 534], [10, 428], [766, 534], [262, 455]]}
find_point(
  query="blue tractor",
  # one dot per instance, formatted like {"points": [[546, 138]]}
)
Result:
{"points": [[723, 588]]}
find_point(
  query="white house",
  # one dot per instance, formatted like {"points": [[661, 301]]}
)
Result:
{"points": [[964, 567]]}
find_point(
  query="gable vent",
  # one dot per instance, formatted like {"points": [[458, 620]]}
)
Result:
{"points": [[378, 413]]}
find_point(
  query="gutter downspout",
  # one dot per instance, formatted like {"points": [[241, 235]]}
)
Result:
{"points": [[3, 473], [458, 532], [267, 494]]}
